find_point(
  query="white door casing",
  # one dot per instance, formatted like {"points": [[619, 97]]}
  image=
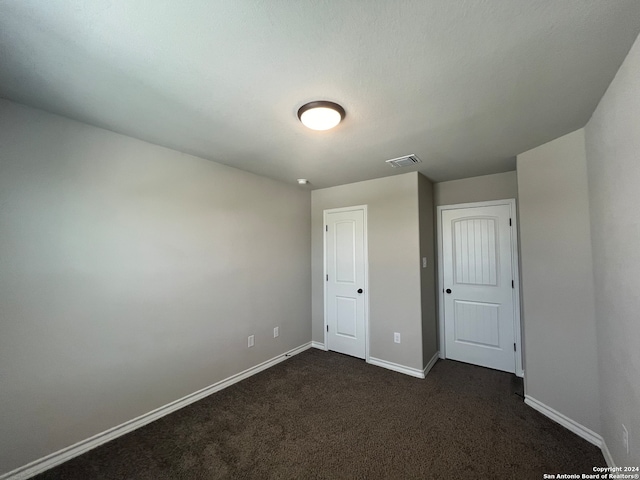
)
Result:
{"points": [[345, 281], [479, 308]]}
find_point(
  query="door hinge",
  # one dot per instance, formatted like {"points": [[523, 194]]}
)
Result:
{"points": [[327, 277], [514, 347], [326, 228], [328, 329], [509, 222], [513, 284]]}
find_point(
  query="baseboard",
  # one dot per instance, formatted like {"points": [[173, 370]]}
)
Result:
{"points": [[431, 363], [61, 456], [580, 430], [318, 345], [607, 455], [414, 372]]}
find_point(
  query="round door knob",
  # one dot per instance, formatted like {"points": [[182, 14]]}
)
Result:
{"points": [[448, 290], [359, 290]]}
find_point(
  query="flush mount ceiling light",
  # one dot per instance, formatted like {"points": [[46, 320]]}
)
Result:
{"points": [[321, 115]]}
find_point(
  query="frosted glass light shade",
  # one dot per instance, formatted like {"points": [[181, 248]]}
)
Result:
{"points": [[321, 115]]}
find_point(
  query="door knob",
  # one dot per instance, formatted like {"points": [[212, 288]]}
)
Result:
{"points": [[359, 290], [448, 290]]}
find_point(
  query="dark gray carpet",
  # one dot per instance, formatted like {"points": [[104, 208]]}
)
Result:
{"points": [[324, 415]]}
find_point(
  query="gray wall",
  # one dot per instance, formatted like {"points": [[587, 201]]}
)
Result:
{"points": [[428, 274], [498, 186], [394, 263], [561, 368], [613, 160], [131, 275]]}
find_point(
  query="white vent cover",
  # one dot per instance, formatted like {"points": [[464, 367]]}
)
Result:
{"points": [[405, 161]]}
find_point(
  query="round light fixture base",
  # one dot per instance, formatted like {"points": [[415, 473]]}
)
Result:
{"points": [[321, 115]]}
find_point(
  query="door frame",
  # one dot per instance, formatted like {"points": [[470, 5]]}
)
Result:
{"points": [[366, 274], [515, 272]]}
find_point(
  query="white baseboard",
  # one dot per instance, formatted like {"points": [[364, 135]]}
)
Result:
{"points": [[61, 456], [431, 363], [580, 430], [318, 345], [607, 455], [414, 372]]}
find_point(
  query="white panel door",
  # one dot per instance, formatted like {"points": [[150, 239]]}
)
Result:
{"points": [[345, 278], [479, 295]]}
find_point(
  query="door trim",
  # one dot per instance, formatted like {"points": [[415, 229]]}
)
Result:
{"points": [[517, 325], [366, 275]]}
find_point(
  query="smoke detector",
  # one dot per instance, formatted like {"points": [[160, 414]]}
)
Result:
{"points": [[405, 161]]}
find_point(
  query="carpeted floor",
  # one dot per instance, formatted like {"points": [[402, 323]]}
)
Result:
{"points": [[322, 415]]}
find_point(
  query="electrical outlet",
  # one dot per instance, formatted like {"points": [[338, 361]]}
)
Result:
{"points": [[276, 331], [625, 438], [250, 341], [424, 262], [396, 337]]}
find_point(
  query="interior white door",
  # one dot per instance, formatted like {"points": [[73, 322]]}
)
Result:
{"points": [[345, 278], [478, 284]]}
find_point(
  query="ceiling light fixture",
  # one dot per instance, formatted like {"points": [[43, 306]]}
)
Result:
{"points": [[321, 115], [303, 181]]}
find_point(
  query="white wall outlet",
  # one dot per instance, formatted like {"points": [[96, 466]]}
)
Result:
{"points": [[276, 331], [250, 341], [625, 438], [396, 337], [424, 262]]}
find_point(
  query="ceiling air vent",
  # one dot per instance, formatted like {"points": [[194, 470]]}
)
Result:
{"points": [[405, 161]]}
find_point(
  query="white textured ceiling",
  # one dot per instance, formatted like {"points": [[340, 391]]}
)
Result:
{"points": [[464, 84]]}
